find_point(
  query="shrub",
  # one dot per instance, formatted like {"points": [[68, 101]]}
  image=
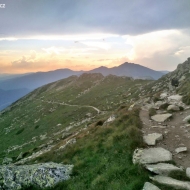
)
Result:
{"points": [[26, 154], [152, 112], [99, 123], [20, 131], [37, 126], [164, 106]]}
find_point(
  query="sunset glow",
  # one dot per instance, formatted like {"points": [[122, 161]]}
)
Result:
{"points": [[76, 45]]}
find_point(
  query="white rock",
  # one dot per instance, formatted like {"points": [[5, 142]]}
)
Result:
{"points": [[159, 103], [110, 119], [131, 107], [162, 168], [186, 119], [161, 117], [176, 97], [171, 182], [151, 155], [188, 172], [182, 78], [173, 107], [163, 95], [181, 149], [150, 186], [151, 139]]}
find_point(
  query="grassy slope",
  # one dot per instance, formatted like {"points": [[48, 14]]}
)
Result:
{"points": [[31, 117], [103, 158], [102, 155]]}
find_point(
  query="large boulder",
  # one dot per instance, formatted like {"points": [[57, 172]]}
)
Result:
{"points": [[150, 186], [161, 117], [151, 139], [39, 175], [151, 155], [168, 181], [176, 98], [162, 168]]}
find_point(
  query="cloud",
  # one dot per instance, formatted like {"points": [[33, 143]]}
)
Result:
{"points": [[183, 51], [159, 48], [54, 50], [34, 18], [73, 37], [96, 44]]}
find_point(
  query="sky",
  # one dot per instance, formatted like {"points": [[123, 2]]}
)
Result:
{"points": [[43, 35]]}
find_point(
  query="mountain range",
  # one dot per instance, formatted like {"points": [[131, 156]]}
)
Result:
{"points": [[32, 81], [97, 124]]}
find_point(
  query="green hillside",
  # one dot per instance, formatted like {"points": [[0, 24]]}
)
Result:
{"points": [[64, 121]]}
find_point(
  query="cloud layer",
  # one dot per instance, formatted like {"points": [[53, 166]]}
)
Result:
{"points": [[29, 18], [38, 36]]}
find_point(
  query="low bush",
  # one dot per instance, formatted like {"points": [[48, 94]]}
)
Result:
{"points": [[152, 112], [20, 131]]}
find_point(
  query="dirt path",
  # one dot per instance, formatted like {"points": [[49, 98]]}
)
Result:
{"points": [[65, 104], [176, 134]]}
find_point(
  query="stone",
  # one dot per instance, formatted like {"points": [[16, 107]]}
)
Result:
{"points": [[39, 175], [131, 107], [20, 156], [188, 172], [163, 95], [159, 126], [186, 119], [151, 139], [168, 181], [181, 149], [182, 78], [151, 155], [161, 117], [173, 107], [162, 168], [176, 97], [150, 186], [159, 103], [110, 119], [7, 161], [65, 135], [42, 137]]}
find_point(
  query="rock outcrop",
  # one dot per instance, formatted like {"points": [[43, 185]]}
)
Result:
{"points": [[40, 175]]}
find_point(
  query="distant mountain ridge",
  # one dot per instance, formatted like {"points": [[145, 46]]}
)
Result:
{"points": [[35, 80], [38, 79], [130, 70]]}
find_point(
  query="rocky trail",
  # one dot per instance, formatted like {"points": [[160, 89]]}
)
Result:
{"points": [[175, 133], [167, 136]]}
